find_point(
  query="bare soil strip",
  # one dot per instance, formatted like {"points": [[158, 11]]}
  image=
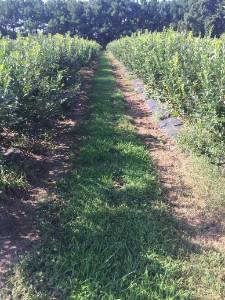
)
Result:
{"points": [[204, 229], [18, 222]]}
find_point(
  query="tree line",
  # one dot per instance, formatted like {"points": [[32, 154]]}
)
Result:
{"points": [[106, 20]]}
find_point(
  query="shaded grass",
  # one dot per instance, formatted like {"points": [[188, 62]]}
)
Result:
{"points": [[11, 179], [208, 185], [198, 140], [205, 174], [111, 237]]}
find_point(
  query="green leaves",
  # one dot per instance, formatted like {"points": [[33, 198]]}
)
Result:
{"points": [[185, 71], [34, 74]]}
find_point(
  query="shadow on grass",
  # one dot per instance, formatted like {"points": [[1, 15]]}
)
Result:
{"points": [[113, 238]]}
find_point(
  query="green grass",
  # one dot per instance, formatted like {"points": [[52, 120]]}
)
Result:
{"points": [[12, 179], [112, 237]]}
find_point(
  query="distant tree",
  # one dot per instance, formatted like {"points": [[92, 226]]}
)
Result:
{"points": [[150, 16], [58, 16], [105, 20], [33, 14], [79, 22], [10, 16], [204, 17]]}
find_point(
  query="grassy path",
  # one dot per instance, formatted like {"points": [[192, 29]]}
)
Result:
{"points": [[112, 237]]}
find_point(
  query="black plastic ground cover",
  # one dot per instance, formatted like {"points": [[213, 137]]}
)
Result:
{"points": [[161, 115]]}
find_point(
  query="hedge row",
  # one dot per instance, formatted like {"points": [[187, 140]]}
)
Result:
{"points": [[189, 74], [39, 75]]}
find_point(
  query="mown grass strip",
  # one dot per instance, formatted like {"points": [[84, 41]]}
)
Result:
{"points": [[113, 238]]}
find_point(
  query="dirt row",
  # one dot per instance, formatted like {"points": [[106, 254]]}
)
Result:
{"points": [[18, 213]]}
